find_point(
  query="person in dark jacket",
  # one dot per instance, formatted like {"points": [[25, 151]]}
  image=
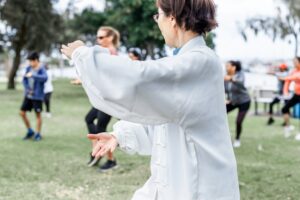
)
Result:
{"points": [[33, 82]]}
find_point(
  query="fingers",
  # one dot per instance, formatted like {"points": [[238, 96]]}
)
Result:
{"points": [[94, 136], [75, 44], [68, 49], [99, 136], [102, 149], [64, 50], [96, 149], [105, 143]]}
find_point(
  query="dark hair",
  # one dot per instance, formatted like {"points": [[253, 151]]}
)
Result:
{"points": [[236, 64], [298, 58], [136, 53], [33, 56], [196, 15]]}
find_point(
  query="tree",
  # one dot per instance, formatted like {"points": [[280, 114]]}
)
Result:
{"points": [[86, 24], [134, 20], [30, 25], [282, 26]]}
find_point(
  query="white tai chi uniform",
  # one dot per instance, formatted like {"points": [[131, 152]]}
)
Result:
{"points": [[176, 109]]}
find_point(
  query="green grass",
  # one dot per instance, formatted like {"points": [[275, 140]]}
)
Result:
{"points": [[55, 168]]}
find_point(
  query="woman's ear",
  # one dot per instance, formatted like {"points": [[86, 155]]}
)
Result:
{"points": [[173, 22]]}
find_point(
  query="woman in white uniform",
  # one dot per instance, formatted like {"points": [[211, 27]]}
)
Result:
{"points": [[165, 107]]}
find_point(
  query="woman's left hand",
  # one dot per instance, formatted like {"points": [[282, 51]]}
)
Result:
{"points": [[68, 49], [106, 142]]}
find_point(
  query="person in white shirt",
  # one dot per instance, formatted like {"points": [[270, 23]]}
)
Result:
{"points": [[48, 90], [165, 107]]}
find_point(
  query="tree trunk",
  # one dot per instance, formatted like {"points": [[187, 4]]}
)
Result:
{"points": [[18, 45], [13, 72]]}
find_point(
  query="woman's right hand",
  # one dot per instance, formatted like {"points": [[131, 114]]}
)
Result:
{"points": [[106, 142]]}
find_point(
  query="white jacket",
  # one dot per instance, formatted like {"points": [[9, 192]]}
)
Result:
{"points": [[180, 102]]}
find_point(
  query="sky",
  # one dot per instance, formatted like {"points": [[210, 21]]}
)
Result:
{"points": [[231, 45], [229, 42]]}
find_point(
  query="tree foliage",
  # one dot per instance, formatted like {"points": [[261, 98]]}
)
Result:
{"points": [[134, 20], [85, 25], [282, 26], [30, 25]]}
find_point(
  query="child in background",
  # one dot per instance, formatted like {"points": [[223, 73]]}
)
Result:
{"points": [[33, 81]]}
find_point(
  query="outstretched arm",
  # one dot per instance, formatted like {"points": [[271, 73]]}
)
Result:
{"points": [[147, 92], [132, 138]]}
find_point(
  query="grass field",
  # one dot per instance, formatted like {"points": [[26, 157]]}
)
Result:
{"points": [[55, 168]]}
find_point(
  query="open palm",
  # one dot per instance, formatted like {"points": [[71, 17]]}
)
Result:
{"points": [[105, 143]]}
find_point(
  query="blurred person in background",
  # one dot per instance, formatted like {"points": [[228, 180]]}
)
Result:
{"points": [[293, 77], [33, 82], [96, 120], [134, 54], [238, 96], [281, 74], [48, 90]]}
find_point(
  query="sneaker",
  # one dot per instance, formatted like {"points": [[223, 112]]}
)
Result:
{"points": [[287, 131], [29, 135], [236, 143], [93, 161], [37, 137], [270, 121], [110, 164], [48, 115]]}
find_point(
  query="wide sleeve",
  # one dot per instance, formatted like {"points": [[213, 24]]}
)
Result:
{"points": [[133, 138], [147, 92]]}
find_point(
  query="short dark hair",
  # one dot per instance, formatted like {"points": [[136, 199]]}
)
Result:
{"points": [[236, 64], [136, 53], [33, 56], [298, 58], [196, 15]]}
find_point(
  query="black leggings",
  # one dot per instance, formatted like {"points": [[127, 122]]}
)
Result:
{"points": [[243, 109], [102, 121], [276, 100], [47, 101], [293, 101]]}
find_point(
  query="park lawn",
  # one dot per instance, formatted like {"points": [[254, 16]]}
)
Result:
{"points": [[55, 168]]}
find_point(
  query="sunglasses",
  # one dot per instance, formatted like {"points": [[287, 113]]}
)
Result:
{"points": [[101, 37]]}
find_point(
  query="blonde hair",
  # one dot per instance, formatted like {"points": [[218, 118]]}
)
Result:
{"points": [[112, 32]]}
